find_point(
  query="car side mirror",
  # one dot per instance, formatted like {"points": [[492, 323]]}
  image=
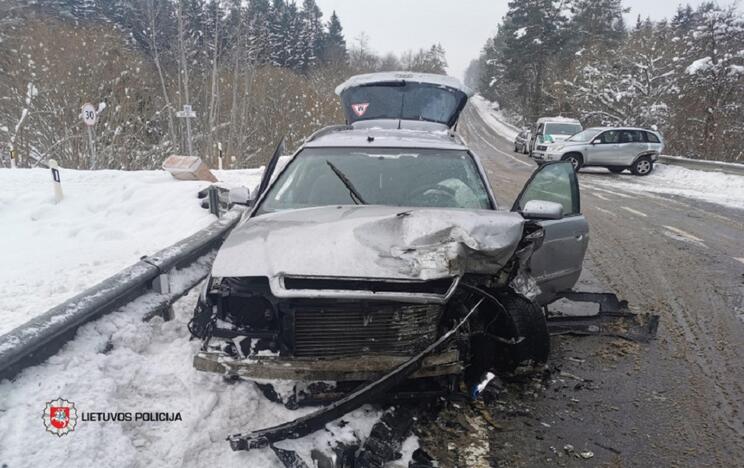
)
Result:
{"points": [[540, 209], [240, 196], [597, 141]]}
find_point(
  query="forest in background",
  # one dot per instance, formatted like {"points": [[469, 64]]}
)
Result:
{"points": [[253, 71], [578, 58]]}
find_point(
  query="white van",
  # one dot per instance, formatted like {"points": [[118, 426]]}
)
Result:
{"points": [[553, 129]]}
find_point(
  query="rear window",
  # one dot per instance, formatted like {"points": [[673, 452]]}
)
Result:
{"points": [[652, 138], [403, 100]]}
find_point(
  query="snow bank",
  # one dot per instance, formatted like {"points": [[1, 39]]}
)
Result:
{"points": [[713, 187], [106, 222], [121, 364], [493, 118]]}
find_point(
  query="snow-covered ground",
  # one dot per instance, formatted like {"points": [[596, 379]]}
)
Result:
{"points": [[493, 117], [713, 187], [106, 222], [121, 364]]}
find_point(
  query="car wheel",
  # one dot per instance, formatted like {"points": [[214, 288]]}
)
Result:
{"points": [[616, 170], [575, 159], [519, 337], [642, 167]]}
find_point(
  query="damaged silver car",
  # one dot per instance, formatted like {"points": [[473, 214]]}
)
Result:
{"points": [[380, 237]]}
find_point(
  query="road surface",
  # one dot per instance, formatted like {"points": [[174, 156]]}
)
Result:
{"points": [[678, 401]]}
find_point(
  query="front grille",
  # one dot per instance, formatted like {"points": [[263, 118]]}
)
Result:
{"points": [[542, 148], [364, 328]]}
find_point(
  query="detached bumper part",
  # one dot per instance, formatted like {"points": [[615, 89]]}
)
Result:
{"points": [[318, 419], [359, 368]]}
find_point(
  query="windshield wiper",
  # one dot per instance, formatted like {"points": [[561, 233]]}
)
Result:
{"points": [[358, 200]]}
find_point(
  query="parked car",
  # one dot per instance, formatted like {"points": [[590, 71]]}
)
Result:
{"points": [[380, 234], [522, 142], [552, 129], [616, 148]]}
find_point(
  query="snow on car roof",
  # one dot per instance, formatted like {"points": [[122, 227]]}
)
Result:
{"points": [[557, 120], [386, 77], [623, 128], [386, 138]]}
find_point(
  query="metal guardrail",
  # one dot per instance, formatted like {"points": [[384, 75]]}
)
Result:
{"points": [[699, 164], [44, 335]]}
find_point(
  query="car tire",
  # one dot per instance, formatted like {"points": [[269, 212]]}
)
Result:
{"points": [[616, 170], [642, 166], [575, 159], [524, 325], [531, 325]]}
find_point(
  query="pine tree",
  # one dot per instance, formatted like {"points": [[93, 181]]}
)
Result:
{"points": [[278, 25], [311, 34], [532, 36], [597, 23], [334, 49], [259, 31]]}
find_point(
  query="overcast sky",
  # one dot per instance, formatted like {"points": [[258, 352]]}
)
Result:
{"points": [[461, 26]]}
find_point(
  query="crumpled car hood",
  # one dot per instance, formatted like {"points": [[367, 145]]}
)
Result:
{"points": [[376, 242]]}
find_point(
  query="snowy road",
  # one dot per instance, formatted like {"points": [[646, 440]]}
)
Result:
{"points": [[670, 249]]}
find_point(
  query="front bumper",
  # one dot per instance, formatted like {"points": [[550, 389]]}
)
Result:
{"points": [[339, 369]]}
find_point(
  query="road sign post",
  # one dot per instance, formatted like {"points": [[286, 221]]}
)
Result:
{"points": [[90, 117], [12, 158], [219, 160], [188, 114]]}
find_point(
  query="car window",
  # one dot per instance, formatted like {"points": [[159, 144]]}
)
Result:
{"points": [[554, 183], [381, 176], [586, 135], [562, 128], [610, 137], [652, 138], [632, 136]]}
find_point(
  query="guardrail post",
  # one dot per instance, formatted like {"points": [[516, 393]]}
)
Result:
{"points": [[58, 195], [214, 200]]}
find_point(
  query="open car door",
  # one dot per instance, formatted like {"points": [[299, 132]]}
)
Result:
{"points": [[556, 265]]}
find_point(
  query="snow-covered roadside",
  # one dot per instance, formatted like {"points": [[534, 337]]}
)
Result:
{"points": [[121, 364], [713, 187], [493, 117], [106, 222]]}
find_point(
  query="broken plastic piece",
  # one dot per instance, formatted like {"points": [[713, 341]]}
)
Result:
{"points": [[312, 422]]}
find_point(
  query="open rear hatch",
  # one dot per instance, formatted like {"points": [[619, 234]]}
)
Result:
{"points": [[403, 96]]}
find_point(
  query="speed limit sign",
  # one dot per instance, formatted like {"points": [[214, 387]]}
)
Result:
{"points": [[89, 114]]}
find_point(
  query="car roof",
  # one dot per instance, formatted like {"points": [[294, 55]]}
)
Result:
{"points": [[386, 134], [557, 120], [622, 128]]}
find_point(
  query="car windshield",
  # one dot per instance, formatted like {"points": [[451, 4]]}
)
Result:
{"points": [[385, 176], [586, 135], [562, 128]]}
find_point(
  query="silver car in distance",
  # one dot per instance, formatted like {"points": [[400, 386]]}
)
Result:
{"points": [[616, 148]]}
